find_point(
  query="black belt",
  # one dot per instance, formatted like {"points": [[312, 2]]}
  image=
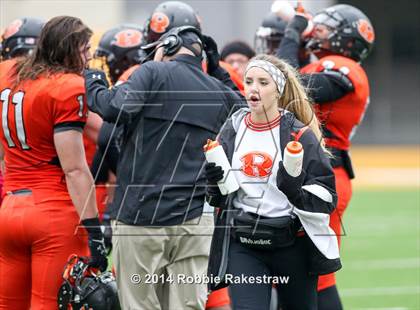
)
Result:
{"points": [[264, 233]]}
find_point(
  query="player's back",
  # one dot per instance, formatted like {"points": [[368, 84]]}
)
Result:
{"points": [[31, 112]]}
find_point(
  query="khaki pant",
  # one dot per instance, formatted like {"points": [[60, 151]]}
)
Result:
{"points": [[152, 264]]}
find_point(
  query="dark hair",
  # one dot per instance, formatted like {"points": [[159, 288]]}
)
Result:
{"points": [[58, 49]]}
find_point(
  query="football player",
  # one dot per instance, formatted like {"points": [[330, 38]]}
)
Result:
{"points": [[272, 31], [268, 36], [119, 53], [342, 38], [49, 188], [119, 49], [168, 15], [20, 37]]}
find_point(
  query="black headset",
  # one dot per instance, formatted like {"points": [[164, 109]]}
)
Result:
{"points": [[172, 41]]}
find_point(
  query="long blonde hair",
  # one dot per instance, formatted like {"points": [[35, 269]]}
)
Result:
{"points": [[294, 97]]}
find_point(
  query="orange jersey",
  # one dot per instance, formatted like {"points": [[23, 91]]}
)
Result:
{"points": [[31, 113], [233, 75], [236, 79], [340, 118]]}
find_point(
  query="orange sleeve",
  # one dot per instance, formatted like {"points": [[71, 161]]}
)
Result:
{"points": [[69, 104], [126, 74], [218, 298], [233, 75]]}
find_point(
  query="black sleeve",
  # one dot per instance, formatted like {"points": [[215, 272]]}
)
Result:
{"points": [[326, 86], [289, 52], [122, 102], [235, 100], [99, 168], [78, 126], [109, 141]]}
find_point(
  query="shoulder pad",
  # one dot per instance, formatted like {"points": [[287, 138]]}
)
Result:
{"points": [[340, 78]]}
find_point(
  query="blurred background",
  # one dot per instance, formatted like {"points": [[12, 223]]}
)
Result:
{"points": [[381, 242], [393, 67]]}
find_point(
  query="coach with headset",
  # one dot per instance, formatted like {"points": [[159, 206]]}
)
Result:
{"points": [[169, 108]]}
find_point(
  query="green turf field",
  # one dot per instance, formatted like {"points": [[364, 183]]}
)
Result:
{"points": [[381, 251]]}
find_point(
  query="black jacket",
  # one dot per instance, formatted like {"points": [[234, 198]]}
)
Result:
{"points": [[168, 110], [318, 171]]}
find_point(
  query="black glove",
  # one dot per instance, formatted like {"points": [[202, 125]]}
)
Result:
{"points": [[98, 257], [213, 173], [213, 56], [107, 231], [296, 27], [290, 186], [92, 79], [95, 76]]}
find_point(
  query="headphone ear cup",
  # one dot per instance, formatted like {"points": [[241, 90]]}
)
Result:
{"points": [[172, 45]]}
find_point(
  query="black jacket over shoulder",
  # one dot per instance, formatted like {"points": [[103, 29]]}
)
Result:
{"points": [[319, 182], [168, 110]]}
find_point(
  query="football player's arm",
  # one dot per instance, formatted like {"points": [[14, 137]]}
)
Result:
{"points": [[327, 86], [120, 103], [69, 116], [93, 126], [289, 51], [79, 180], [291, 42]]}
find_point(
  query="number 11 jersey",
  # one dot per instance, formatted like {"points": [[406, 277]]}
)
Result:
{"points": [[31, 112]]}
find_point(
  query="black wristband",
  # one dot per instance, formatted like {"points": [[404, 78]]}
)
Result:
{"points": [[93, 227]]}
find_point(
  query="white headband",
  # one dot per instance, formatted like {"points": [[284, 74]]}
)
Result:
{"points": [[275, 73]]}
